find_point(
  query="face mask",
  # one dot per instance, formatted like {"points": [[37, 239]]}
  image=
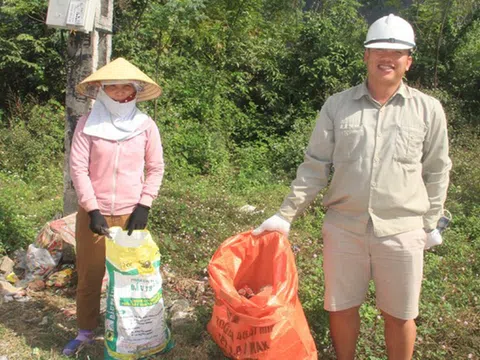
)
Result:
{"points": [[112, 120], [120, 112]]}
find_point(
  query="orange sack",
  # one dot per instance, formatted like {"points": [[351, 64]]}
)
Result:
{"points": [[257, 313]]}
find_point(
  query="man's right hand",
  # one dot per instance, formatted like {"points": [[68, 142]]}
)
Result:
{"points": [[98, 224], [433, 238], [274, 223]]}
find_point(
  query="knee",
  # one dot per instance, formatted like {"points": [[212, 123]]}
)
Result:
{"points": [[396, 322], [345, 314]]}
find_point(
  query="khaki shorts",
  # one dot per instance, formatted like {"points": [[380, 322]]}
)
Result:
{"points": [[394, 263]]}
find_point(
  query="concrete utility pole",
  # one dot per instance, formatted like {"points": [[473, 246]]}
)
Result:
{"points": [[86, 52]]}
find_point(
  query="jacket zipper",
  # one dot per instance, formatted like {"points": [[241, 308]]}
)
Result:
{"points": [[115, 169]]}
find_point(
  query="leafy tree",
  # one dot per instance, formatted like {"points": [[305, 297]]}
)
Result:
{"points": [[445, 36], [31, 60], [439, 26], [209, 56], [466, 67]]}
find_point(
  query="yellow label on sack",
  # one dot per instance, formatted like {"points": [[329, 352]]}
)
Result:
{"points": [[135, 252]]}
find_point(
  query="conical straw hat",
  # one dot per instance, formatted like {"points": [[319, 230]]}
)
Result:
{"points": [[120, 69]]}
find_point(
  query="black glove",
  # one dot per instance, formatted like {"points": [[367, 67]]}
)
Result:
{"points": [[98, 224], [138, 219]]}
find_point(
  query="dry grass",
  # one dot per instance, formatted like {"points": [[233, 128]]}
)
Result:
{"points": [[23, 337]]}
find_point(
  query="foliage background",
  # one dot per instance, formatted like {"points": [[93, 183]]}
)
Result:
{"points": [[242, 84]]}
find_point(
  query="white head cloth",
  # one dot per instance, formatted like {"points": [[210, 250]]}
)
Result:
{"points": [[112, 120]]}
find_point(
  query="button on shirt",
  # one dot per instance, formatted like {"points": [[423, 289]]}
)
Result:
{"points": [[388, 163]]}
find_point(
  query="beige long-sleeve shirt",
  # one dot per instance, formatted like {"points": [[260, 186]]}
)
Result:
{"points": [[390, 163]]}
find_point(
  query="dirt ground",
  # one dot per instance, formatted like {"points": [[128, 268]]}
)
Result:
{"points": [[39, 328]]}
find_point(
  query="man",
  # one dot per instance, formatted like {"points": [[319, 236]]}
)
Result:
{"points": [[387, 146]]}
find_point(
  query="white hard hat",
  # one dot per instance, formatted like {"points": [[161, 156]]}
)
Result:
{"points": [[390, 32]]}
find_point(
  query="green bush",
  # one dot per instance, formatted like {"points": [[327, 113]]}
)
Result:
{"points": [[190, 148], [24, 209], [464, 192], [251, 166], [287, 152], [31, 177], [32, 138]]}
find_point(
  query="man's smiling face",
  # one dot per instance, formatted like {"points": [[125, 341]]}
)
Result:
{"points": [[386, 66]]}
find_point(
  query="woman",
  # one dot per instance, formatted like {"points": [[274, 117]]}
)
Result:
{"points": [[113, 146]]}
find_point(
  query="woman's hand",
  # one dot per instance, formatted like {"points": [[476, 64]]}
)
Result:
{"points": [[138, 219], [98, 224]]}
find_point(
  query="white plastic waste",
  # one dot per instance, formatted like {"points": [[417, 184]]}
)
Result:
{"points": [[434, 237]]}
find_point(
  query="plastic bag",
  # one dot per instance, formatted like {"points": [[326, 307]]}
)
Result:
{"points": [[135, 325], [39, 262], [270, 323]]}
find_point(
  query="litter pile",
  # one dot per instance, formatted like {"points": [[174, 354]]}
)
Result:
{"points": [[47, 263]]}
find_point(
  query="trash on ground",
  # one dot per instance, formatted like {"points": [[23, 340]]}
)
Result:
{"points": [[60, 278], [12, 278], [6, 265], [8, 289], [36, 285]]}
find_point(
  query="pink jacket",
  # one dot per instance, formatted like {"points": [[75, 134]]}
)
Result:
{"points": [[109, 175]]}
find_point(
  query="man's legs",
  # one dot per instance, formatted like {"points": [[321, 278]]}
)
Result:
{"points": [[400, 337], [344, 329], [397, 270], [346, 265], [345, 326]]}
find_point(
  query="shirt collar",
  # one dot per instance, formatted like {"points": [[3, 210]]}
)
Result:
{"points": [[362, 90]]}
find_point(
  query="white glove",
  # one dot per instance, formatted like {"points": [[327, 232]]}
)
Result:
{"points": [[433, 238], [274, 223]]}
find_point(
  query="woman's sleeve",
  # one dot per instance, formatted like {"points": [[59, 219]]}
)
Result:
{"points": [[154, 166], [79, 161]]}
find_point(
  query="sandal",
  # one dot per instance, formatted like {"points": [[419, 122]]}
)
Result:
{"points": [[84, 338]]}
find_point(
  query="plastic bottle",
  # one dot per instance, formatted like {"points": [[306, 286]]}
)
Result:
{"points": [[435, 236]]}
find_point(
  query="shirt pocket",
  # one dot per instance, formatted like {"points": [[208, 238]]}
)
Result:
{"points": [[348, 137], [409, 144]]}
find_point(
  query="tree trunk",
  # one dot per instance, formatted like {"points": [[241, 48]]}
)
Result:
{"points": [[79, 66], [85, 54]]}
